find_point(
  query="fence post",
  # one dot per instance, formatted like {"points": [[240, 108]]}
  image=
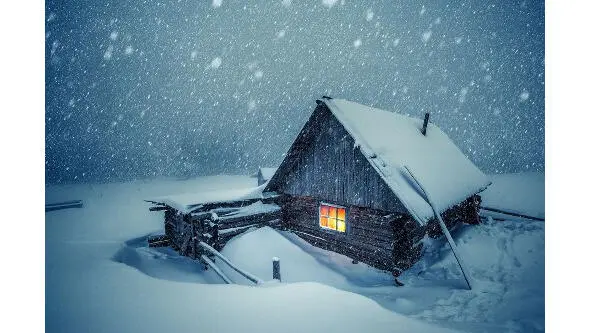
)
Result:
{"points": [[276, 269]]}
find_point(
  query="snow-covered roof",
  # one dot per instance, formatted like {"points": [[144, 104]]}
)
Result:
{"points": [[267, 173], [187, 202], [391, 141]]}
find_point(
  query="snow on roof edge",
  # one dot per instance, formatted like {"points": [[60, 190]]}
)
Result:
{"points": [[425, 213], [187, 202]]}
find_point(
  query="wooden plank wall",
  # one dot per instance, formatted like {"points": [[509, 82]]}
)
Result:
{"points": [[385, 240], [185, 231], [388, 241], [464, 212], [329, 166], [377, 238]]}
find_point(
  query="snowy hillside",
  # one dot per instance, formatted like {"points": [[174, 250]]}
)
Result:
{"points": [[100, 275]]}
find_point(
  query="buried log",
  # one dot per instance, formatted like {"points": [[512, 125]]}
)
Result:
{"points": [[158, 241], [504, 212], [63, 205], [216, 269], [242, 272]]}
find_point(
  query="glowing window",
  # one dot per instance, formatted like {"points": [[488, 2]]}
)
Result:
{"points": [[332, 217]]}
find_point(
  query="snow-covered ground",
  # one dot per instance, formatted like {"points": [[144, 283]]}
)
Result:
{"points": [[517, 192], [101, 277]]}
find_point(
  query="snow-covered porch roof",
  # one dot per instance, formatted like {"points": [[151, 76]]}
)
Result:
{"points": [[187, 202]]}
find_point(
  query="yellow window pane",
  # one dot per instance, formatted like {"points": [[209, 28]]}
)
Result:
{"points": [[324, 210], [341, 226], [324, 221], [332, 223], [332, 212], [341, 214]]}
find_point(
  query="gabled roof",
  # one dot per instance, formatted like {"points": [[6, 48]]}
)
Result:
{"points": [[391, 141]]}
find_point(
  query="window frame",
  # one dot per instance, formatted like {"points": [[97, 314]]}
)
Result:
{"points": [[322, 203]]}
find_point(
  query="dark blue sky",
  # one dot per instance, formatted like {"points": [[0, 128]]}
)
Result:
{"points": [[181, 88]]}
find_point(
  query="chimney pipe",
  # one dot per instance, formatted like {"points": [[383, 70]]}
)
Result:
{"points": [[425, 122]]}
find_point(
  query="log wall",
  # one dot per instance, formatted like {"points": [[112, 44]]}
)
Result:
{"points": [[385, 240], [388, 241]]}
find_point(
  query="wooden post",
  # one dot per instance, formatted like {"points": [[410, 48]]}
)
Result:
{"points": [[425, 122], [276, 269], [425, 195]]}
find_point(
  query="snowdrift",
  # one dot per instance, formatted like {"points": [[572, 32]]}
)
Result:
{"points": [[100, 275]]}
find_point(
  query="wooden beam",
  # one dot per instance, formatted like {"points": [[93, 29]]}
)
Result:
{"points": [[496, 210], [63, 205], [216, 269], [229, 263]]}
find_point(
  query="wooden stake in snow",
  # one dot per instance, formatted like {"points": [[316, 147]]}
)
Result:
{"points": [[425, 122], [276, 269], [425, 195]]}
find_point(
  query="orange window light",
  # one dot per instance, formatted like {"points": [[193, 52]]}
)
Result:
{"points": [[332, 223], [332, 217], [341, 226], [324, 221], [333, 212]]}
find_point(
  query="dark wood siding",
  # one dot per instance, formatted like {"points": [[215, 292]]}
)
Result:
{"points": [[388, 241], [325, 163]]}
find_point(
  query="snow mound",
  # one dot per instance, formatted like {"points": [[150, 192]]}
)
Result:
{"points": [[300, 261], [96, 281]]}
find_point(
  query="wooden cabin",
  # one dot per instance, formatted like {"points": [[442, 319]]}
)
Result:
{"points": [[342, 186]]}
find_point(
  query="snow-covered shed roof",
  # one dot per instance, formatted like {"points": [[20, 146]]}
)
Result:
{"points": [[391, 141], [187, 202], [267, 173]]}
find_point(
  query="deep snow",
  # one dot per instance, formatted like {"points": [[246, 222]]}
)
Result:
{"points": [[100, 276], [517, 192]]}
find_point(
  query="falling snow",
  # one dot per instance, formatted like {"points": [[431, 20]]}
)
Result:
{"points": [[426, 36], [108, 53], [216, 63], [258, 74], [225, 86], [329, 3], [369, 15]]}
